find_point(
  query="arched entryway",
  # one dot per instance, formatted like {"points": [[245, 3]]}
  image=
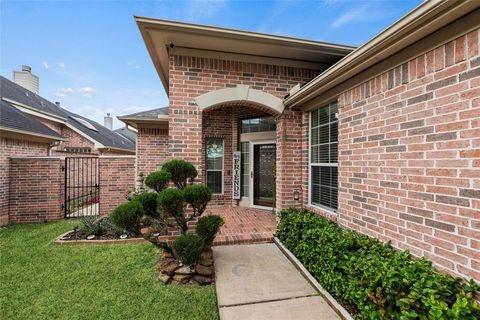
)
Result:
{"points": [[239, 145]]}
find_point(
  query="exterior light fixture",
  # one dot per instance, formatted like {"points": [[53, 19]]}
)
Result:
{"points": [[296, 195]]}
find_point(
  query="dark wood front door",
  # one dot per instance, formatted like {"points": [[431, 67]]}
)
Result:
{"points": [[264, 156]]}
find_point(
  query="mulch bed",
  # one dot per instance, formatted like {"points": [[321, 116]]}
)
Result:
{"points": [[79, 237]]}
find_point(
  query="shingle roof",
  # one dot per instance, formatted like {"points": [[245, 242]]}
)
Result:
{"points": [[153, 113], [103, 135], [12, 118], [129, 134]]}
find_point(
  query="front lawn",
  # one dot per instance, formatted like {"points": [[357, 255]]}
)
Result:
{"points": [[42, 281]]}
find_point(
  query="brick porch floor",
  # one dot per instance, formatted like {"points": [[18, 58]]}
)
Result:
{"points": [[243, 225]]}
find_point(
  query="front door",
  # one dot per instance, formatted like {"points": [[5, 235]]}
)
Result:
{"points": [[264, 155]]}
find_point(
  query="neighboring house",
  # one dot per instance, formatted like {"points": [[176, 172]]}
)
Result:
{"points": [[385, 138], [82, 135], [20, 135], [33, 126], [127, 133], [152, 139]]}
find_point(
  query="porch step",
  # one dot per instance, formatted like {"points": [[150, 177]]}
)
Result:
{"points": [[222, 240]]}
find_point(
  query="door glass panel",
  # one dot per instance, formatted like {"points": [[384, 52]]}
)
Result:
{"points": [[264, 176]]}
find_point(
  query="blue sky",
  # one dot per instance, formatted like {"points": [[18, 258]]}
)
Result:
{"points": [[89, 55]]}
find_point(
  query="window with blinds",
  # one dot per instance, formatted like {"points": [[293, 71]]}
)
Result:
{"points": [[324, 156], [214, 148]]}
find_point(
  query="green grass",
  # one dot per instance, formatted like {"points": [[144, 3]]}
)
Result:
{"points": [[39, 280]]}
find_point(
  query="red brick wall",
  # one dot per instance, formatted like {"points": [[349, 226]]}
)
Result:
{"points": [[11, 148], [152, 144], [191, 77], [36, 189], [409, 156], [117, 178]]}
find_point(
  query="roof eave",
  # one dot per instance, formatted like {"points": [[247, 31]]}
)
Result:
{"points": [[160, 54], [133, 121], [32, 134], [430, 15]]}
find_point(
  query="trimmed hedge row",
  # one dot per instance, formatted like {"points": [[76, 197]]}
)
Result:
{"points": [[372, 279]]}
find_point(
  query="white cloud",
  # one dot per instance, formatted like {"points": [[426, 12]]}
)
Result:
{"points": [[133, 64], [363, 13], [45, 64], [351, 15], [61, 65], [204, 8], [84, 91]]}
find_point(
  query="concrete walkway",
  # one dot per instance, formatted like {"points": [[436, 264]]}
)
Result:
{"points": [[258, 282]]}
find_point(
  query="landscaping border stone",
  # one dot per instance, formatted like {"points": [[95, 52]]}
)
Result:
{"points": [[339, 309], [58, 240]]}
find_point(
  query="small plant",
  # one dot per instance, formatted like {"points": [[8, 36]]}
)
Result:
{"points": [[187, 248], [207, 228], [158, 180], [180, 172], [148, 200], [93, 225], [128, 216]]}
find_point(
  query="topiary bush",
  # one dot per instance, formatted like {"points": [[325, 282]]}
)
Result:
{"points": [[128, 216], [198, 196], [371, 278], [158, 180], [187, 248], [180, 172], [207, 228], [148, 200]]}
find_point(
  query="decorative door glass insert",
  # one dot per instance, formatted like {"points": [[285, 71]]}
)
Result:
{"points": [[264, 156]]}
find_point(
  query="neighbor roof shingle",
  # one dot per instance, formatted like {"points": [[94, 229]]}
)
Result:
{"points": [[12, 118], [103, 135], [154, 113]]}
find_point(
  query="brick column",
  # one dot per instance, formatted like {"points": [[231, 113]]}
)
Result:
{"points": [[289, 159], [117, 178]]}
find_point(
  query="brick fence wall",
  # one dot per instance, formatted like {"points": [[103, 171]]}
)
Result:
{"points": [[37, 186], [117, 178], [13, 147], [36, 189], [409, 156]]}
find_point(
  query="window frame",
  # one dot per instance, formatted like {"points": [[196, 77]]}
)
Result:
{"points": [[215, 170], [310, 164]]}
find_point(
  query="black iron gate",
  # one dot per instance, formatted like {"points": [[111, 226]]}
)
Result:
{"points": [[82, 187]]}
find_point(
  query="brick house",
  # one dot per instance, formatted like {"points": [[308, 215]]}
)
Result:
{"points": [[384, 138]]}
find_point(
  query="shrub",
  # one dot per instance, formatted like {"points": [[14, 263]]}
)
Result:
{"points": [[172, 201], [148, 200], [207, 228], [158, 180], [198, 196], [128, 216], [373, 279], [99, 226], [180, 172], [187, 248]]}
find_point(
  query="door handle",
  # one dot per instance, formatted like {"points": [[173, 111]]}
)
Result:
{"points": [[251, 174]]}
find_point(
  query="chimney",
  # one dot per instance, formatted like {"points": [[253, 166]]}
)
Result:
{"points": [[108, 121], [27, 79]]}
